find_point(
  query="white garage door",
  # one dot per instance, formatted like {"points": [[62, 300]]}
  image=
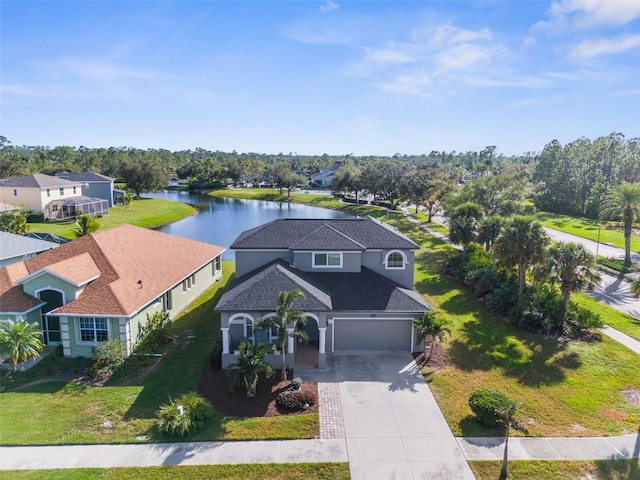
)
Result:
{"points": [[372, 334]]}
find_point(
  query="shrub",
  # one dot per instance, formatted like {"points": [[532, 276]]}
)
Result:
{"points": [[107, 357], [540, 310], [35, 217], [485, 280], [456, 266], [579, 320], [296, 383], [503, 299], [195, 412], [155, 333], [486, 405], [295, 400]]}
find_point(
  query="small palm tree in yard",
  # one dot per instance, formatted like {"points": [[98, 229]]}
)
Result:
{"points": [[571, 266], [508, 417], [431, 327], [286, 315], [85, 224], [249, 365], [20, 341]]}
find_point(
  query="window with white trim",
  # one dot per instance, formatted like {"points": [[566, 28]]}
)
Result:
{"points": [[62, 191], [93, 330], [327, 260], [395, 260]]}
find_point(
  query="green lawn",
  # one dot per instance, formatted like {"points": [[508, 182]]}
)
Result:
{"points": [[560, 469], [144, 212], [612, 317], [567, 389], [608, 232], [284, 471], [66, 413]]}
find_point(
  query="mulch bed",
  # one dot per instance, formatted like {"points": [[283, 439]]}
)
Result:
{"points": [[214, 386], [438, 358]]}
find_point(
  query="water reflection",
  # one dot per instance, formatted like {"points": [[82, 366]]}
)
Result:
{"points": [[221, 220]]}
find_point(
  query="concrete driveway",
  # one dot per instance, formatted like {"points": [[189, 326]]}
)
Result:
{"points": [[392, 424]]}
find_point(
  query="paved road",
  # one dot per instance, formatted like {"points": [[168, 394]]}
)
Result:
{"points": [[592, 246]]}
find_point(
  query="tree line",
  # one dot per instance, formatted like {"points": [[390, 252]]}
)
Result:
{"points": [[571, 179]]}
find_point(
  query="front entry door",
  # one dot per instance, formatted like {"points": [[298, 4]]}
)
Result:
{"points": [[50, 323]]}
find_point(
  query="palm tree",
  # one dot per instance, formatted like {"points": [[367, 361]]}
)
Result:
{"points": [[523, 242], [286, 315], [573, 267], [20, 341], [507, 416], [489, 230], [85, 224], [249, 365], [623, 202], [431, 326], [463, 223]]}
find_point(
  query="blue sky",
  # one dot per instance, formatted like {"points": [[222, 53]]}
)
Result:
{"points": [[336, 77]]}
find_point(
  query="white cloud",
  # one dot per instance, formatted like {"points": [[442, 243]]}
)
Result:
{"points": [[435, 61], [452, 35], [605, 46], [329, 6], [587, 14]]}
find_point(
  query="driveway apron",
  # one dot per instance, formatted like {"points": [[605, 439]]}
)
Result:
{"points": [[392, 424]]}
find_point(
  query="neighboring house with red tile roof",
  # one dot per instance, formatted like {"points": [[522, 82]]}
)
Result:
{"points": [[57, 198], [103, 285]]}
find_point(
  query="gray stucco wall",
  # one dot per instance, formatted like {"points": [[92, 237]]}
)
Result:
{"points": [[99, 190], [249, 260], [374, 261]]}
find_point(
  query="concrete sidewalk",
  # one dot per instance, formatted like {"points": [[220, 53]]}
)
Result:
{"points": [[551, 448], [302, 451]]}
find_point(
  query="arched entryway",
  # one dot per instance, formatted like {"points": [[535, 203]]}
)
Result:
{"points": [[307, 352], [51, 323]]}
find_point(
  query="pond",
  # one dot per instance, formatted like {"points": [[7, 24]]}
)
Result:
{"points": [[221, 220]]}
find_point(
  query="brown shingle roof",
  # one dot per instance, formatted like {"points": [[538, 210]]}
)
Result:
{"points": [[123, 255]]}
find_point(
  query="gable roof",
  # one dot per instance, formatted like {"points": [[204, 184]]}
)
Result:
{"points": [[121, 256], [290, 233], [78, 270], [12, 245], [37, 180], [363, 291], [260, 290]]}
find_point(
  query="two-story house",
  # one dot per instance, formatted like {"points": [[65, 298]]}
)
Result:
{"points": [[57, 198], [103, 286], [93, 184], [356, 274]]}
